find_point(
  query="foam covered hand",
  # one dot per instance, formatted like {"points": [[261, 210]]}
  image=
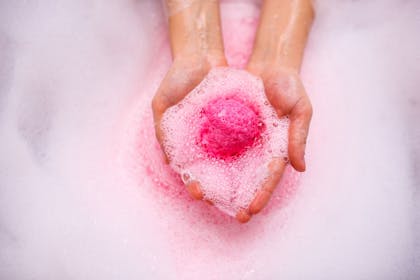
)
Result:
{"points": [[183, 76], [197, 47], [287, 95]]}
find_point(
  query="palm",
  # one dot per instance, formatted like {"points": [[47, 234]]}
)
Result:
{"points": [[286, 93]]}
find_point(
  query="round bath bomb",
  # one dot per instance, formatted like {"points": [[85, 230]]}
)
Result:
{"points": [[224, 134], [230, 127]]}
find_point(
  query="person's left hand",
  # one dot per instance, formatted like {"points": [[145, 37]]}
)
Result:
{"points": [[287, 95]]}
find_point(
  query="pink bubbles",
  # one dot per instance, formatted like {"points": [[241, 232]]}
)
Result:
{"points": [[224, 134], [230, 127]]}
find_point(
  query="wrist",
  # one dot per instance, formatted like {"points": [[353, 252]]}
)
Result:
{"points": [[264, 67], [195, 30], [207, 59], [282, 33]]}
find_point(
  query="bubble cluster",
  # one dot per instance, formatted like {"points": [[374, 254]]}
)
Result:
{"points": [[223, 135]]}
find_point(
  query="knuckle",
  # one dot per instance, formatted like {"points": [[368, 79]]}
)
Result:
{"points": [[159, 103], [155, 102], [306, 108], [158, 133], [309, 110]]}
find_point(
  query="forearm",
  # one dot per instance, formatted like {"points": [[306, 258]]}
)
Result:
{"points": [[195, 28], [282, 34]]}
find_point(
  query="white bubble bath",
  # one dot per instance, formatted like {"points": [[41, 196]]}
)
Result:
{"points": [[85, 194]]}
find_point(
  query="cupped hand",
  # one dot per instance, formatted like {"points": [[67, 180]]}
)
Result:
{"points": [[286, 93], [184, 75]]}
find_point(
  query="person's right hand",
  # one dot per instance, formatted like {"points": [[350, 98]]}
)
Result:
{"points": [[197, 47], [183, 76]]}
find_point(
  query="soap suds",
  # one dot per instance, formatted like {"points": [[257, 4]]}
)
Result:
{"points": [[224, 134]]}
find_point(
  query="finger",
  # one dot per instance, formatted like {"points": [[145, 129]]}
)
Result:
{"points": [[160, 137], [276, 168], [300, 118], [194, 189], [159, 105], [243, 216]]}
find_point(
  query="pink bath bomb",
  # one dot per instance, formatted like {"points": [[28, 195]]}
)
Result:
{"points": [[230, 127]]}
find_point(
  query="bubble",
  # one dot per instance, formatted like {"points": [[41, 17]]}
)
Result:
{"points": [[185, 178]]}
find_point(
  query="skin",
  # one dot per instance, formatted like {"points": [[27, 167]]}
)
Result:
{"points": [[197, 47]]}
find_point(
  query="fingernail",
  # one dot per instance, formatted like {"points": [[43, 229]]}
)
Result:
{"points": [[243, 216], [304, 162]]}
